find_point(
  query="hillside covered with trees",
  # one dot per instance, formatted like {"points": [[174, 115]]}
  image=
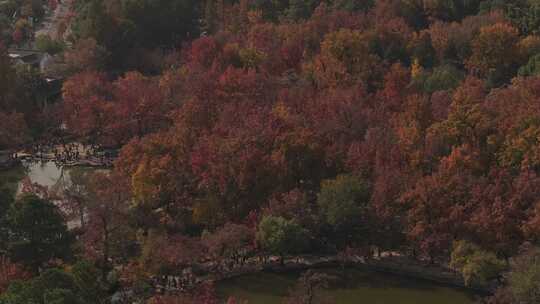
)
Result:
{"points": [[258, 128]]}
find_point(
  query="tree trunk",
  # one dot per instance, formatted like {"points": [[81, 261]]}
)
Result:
{"points": [[105, 250]]}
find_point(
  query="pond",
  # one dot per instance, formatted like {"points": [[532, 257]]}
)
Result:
{"points": [[353, 287], [47, 173], [38, 165]]}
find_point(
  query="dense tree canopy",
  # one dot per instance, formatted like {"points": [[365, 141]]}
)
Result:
{"points": [[392, 123], [37, 232], [250, 128], [125, 28], [280, 236]]}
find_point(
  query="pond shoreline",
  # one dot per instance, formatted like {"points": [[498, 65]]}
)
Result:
{"points": [[349, 285], [395, 265]]}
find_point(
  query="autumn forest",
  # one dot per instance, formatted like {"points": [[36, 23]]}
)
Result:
{"points": [[253, 133]]}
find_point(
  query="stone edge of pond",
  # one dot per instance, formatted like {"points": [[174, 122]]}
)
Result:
{"points": [[394, 265]]}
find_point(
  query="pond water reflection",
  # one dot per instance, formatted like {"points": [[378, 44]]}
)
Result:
{"points": [[48, 174], [353, 287]]}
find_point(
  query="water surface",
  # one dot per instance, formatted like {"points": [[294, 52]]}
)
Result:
{"points": [[353, 287], [47, 174]]}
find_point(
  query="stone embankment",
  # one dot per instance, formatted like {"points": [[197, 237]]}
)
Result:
{"points": [[393, 264], [70, 155]]}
